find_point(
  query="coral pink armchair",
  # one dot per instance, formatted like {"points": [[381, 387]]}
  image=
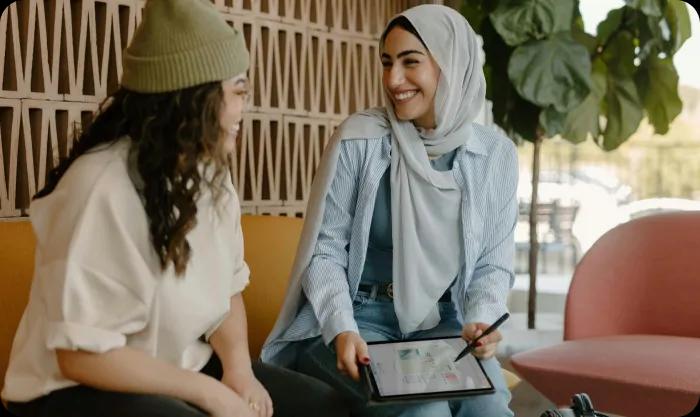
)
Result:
{"points": [[632, 323]]}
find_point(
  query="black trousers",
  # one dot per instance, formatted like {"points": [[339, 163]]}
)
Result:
{"points": [[293, 395]]}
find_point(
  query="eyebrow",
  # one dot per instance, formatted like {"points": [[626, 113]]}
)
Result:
{"points": [[403, 53]]}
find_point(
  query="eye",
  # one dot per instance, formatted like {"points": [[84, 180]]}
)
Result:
{"points": [[411, 62], [386, 64], [243, 95]]}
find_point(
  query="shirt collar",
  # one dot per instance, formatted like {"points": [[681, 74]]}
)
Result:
{"points": [[474, 143]]}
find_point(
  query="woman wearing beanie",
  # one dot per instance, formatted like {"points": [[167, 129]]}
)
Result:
{"points": [[135, 308], [409, 229]]}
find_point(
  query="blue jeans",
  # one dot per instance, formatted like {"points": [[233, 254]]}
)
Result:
{"points": [[377, 321]]}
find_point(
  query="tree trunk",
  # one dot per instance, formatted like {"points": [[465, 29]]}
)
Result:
{"points": [[534, 244]]}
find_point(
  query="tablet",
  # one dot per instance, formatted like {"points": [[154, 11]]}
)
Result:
{"points": [[424, 370]]}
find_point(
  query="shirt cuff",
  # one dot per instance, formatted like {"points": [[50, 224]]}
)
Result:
{"points": [[240, 280], [210, 331], [484, 313], [341, 321], [73, 336]]}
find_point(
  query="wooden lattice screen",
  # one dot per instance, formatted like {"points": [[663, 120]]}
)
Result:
{"points": [[313, 63]]}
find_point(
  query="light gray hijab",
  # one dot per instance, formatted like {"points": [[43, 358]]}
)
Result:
{"points": [[426, 204]]}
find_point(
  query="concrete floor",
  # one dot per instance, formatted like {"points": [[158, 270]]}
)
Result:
{"points": [[527, 401]]}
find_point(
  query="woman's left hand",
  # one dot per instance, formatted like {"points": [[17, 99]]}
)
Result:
{"points": [[486, 346], [251, 390]]}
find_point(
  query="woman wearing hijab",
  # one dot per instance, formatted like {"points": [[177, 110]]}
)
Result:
{"points": [[409, 228], [136, 308]]}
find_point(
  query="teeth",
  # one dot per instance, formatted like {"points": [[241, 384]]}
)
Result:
{"points": [[234, 129], [406, 95]]}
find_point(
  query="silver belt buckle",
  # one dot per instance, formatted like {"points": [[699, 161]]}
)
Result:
{"points": [[390, 290]]}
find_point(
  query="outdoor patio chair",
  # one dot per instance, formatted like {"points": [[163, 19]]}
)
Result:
{"points": [[631, 326], [555, 221]]}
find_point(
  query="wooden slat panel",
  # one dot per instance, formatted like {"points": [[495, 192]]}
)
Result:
{"points": [[313, 63]]}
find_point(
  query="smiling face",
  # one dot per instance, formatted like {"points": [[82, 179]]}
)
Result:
{"points": [[410, 77], [235, 92]]}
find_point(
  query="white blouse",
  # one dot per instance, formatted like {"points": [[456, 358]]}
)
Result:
{"points": [[98, 284]]}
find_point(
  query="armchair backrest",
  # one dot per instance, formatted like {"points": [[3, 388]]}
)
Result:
{"points": [[16, 269], [641, 277], [270, 245]]}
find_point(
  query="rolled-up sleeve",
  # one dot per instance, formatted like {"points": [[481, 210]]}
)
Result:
{"points": [[95, 312], [325, 281], [240, 277], [98, 272], [241, 272], [493, 275]]}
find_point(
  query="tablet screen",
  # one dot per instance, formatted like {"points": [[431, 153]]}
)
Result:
{"points": [[425, 367]]}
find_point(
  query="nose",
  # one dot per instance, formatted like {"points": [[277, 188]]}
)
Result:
{"points": [[396, 76]]}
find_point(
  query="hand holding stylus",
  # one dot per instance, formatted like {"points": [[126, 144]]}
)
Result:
{"points": [[482, 339]]}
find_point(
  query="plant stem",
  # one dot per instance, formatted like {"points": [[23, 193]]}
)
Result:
{"points": [[534, 244]]}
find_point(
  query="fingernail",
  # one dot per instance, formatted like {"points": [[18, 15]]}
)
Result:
{"points": [[479, 343], [365, 361]]}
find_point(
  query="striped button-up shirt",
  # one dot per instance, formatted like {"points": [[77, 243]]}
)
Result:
{"points": [[486, 170]]}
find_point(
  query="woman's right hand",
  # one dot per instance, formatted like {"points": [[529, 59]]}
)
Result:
{"points": [[350, 350], [221, 401]]}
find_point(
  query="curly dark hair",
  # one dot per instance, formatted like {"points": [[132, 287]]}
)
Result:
{"points": [[172, 133]]}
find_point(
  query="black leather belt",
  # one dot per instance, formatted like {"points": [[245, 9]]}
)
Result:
{"points": [[387, 290]]}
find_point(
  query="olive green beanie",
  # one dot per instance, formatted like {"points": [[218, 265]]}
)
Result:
{"points": [[180, 44]]}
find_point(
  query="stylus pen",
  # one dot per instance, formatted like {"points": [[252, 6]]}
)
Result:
{"points": [[471, 346]]}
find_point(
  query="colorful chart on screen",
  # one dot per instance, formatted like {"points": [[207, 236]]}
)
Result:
{"points": [[424, 369]]}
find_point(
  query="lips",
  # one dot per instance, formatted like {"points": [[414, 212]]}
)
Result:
{"points": [[404, 96]]}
